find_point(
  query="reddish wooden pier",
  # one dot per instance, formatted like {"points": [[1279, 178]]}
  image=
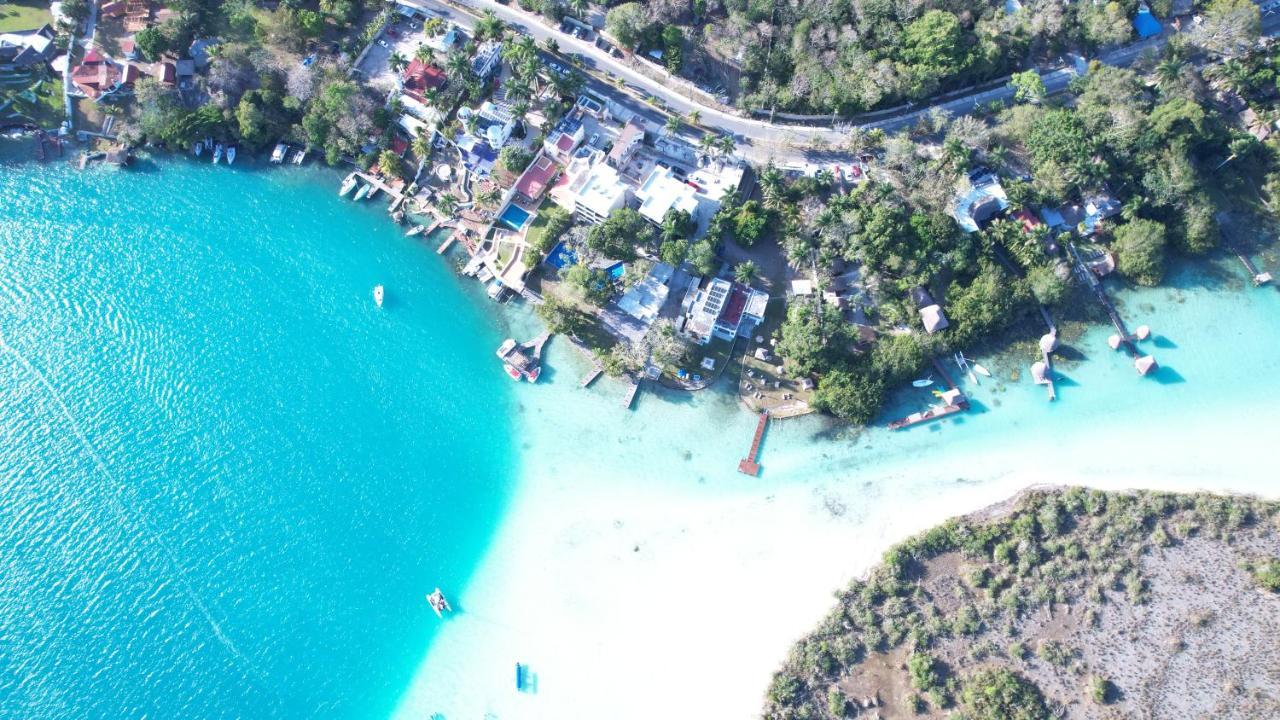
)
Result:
{"points": [[748, 464]]}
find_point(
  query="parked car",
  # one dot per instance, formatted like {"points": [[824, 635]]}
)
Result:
{"points": [[383, 43]]}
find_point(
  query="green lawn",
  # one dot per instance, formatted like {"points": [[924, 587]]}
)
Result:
{"points": [[23, 16]]}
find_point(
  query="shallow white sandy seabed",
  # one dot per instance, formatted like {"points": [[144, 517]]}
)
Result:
{"points": [[640, 583]]}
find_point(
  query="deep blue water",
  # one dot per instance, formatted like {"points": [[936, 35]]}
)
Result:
{"points": [[226, 478]]}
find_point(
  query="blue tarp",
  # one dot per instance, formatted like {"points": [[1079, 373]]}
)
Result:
{"points": [[1146, 24]]}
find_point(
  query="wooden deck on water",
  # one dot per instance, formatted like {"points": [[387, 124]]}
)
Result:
{"points": [[1259, 277], [591, 376], [632, 391], [750, 465]]}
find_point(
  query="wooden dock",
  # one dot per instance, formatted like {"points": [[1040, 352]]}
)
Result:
{"points": [[632, 391], [448, 243], [1259, 277], [1122, 332], [750, 465], [591, 376]]}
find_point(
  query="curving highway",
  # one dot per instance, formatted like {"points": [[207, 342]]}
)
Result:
{"points": [[761, 140]]}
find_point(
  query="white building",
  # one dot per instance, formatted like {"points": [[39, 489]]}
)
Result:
{"points": [[645, 299], [662, 192], [598, 192], [723, 309], [487, 59]]}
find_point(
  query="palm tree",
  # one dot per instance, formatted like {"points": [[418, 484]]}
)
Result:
{"points": [[432, 26], [707, 143], [694, 117], [551, 45], [458, 67], [1168, 71], [432, 97], [447, 204], [523, 49], [421, 145], [423, 54], [489, 26], [726, 144], [673, 125], [397, 62], [579, 7], [772, 188], [745, 271], [567, 84]]}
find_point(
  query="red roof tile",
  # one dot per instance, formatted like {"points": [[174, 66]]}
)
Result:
{"points": [[534, 180]]}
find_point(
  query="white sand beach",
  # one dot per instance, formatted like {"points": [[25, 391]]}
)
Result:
{"points": [[639, 581]]}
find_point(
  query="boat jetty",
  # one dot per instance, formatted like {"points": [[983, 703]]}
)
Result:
{"points": [[750, 465], [953, 401], [523, 360]]}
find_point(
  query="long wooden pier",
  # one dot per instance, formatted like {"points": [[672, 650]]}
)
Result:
{"points": [[750, 465], [1095, 284], [1259, 277]]}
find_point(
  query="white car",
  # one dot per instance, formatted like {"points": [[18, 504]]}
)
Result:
{"points": [[383, 43]]}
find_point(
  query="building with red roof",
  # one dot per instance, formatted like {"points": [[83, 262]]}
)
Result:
{"points": [[537, 178], [419, 77], [98, 75]]}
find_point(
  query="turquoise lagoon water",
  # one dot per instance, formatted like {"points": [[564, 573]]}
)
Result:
{"points": [[226, 478]]}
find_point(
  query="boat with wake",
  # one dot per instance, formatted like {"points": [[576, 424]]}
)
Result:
{"points": [[377, 295]]}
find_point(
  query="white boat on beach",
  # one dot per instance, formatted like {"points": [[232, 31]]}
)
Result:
{"points": [[981, 370], [217, 153], [347, 185], [231, 154], [377, 295], [364, 190]]}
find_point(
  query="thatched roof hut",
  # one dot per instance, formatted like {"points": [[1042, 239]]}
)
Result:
{"points": [[1114, 342], [1142, 333], [1145, 365], [1049, 342], [1039, 372]]}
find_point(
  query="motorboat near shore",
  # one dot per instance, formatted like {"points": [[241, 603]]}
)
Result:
{"points": [[438, 603], [523, 361]]}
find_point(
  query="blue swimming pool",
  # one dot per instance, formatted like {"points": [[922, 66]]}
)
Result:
{"points": [[514, 217], [616, 270], [560, 256]]}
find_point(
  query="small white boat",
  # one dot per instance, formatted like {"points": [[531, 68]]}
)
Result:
{"points": [[981, 370], [197, 148], [300, 156], [277, 155], [231, 154], [377, 295], [347, 185], [217, 153], [923, 383], [438, 603], [416, 230], [364, 190], [373, 190]]}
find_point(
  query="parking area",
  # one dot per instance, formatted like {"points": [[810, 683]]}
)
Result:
{"points": [[402, 37]]}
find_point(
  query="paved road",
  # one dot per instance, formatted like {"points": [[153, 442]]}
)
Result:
{"points": [[758, 139]]}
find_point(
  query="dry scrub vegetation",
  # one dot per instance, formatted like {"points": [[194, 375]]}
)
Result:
{"points": [[1061, 603]]}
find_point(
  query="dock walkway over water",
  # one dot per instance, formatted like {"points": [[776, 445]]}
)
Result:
{"points": [[750, 464], [1260, 277]]}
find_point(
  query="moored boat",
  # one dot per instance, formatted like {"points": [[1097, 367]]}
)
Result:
{"points": [[197, 148], [347, 185], [923, 382], [277, 155], [217, 153], [981, 370], [378, 295], [373, 190], [231, 154], [438, 603], [364, 190]]}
